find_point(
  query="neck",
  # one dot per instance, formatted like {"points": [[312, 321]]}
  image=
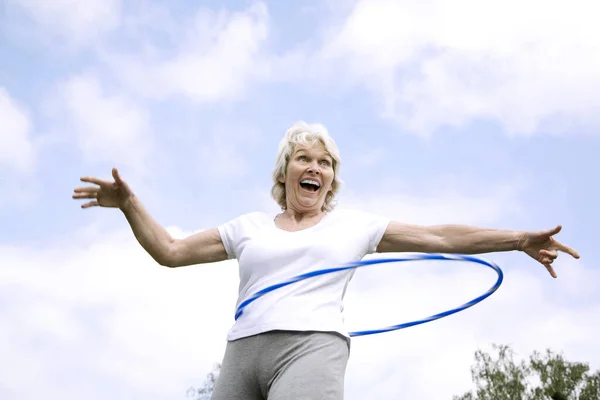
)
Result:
{"points": [[301, 215]]}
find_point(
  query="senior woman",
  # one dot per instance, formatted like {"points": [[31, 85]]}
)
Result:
{"points": [[292, 344]]}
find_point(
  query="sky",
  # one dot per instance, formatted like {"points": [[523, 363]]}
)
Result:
{"points": [[484, 113]]}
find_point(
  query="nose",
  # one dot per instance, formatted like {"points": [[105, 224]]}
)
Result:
{"points": [[314, 167]]}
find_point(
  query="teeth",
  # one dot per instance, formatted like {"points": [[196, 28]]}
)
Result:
{"points": [[311, 182]]}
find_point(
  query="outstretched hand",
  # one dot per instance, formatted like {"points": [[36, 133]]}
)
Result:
{"points": [[542, 247], [106, 193]]}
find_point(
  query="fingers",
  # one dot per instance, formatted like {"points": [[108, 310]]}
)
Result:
{"points": [[546, 258], [560, 246], [94, 189], [89, 192], [549, 254], [89, 204], [550, 270], [91, 179], [85, 195], [567, 249]]}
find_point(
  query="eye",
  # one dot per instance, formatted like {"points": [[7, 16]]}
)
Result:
{"points": [[302, 158], [325, 163]]}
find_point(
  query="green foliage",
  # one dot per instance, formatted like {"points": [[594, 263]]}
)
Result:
{"points": [[546, 376], [206, 390]]}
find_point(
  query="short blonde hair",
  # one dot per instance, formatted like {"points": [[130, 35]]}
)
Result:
{"points": [[305, 134]]}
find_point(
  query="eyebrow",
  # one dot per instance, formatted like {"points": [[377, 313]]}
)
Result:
{"points": [[327, 156], [303, 151]]}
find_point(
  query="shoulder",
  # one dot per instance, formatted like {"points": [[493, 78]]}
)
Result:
{"points": [[358, 217], [251, 218], [367, 228], [346, 212]]}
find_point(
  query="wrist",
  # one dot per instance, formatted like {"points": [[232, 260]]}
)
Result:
{"points": [[520, 239], [127, 204]]}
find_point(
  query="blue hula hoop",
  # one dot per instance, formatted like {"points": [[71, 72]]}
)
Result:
{"points": [[365, 263]]}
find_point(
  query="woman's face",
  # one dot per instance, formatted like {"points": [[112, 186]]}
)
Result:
{"points": [[308, 179]]}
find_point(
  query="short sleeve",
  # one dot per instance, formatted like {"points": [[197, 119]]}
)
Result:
{"points": [[370, 228], [229, 232], [376, 226]]}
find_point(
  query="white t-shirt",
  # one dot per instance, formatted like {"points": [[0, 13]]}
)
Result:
{"points": [[267, 255]]}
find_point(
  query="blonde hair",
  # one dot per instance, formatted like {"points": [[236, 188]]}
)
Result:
{"points": [[305, 134]]}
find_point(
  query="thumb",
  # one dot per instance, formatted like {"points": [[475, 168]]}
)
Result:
{"points": [[116, 176], [552, 232]]}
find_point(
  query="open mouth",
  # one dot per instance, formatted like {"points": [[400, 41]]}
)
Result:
{"points": [[310, 185]]}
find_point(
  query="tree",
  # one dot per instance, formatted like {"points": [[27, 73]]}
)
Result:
{"points": [[206, 390], [546, 376]]}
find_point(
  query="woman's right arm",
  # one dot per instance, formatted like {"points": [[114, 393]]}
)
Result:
{"points": [[200, 248], [203, 247]]}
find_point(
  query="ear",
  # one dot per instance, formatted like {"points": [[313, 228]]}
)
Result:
{"points": [[281, 178]]}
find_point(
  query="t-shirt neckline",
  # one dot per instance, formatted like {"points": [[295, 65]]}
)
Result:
{"points": [[273, 217]]}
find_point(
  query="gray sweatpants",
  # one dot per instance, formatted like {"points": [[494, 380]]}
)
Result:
{"points": [[284, 365]]}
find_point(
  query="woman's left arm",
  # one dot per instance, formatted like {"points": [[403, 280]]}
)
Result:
{"points": [[463, 239]]}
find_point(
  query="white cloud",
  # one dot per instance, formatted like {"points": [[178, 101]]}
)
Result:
{"points": [[442, 203], [529, 67], [108, 127], [228, 149], [17, 151], [215, 57], [75, 21], [110, 311]]}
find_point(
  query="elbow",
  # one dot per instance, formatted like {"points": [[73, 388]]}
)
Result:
{"points": [[168, 258], [171, 260], [446, 244], [167, 263], [438, 244]]}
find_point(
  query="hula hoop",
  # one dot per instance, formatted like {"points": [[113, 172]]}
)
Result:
{"points": [[365, 263]]}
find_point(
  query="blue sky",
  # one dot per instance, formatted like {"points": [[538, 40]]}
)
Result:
{"points": [[474, 114]]}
